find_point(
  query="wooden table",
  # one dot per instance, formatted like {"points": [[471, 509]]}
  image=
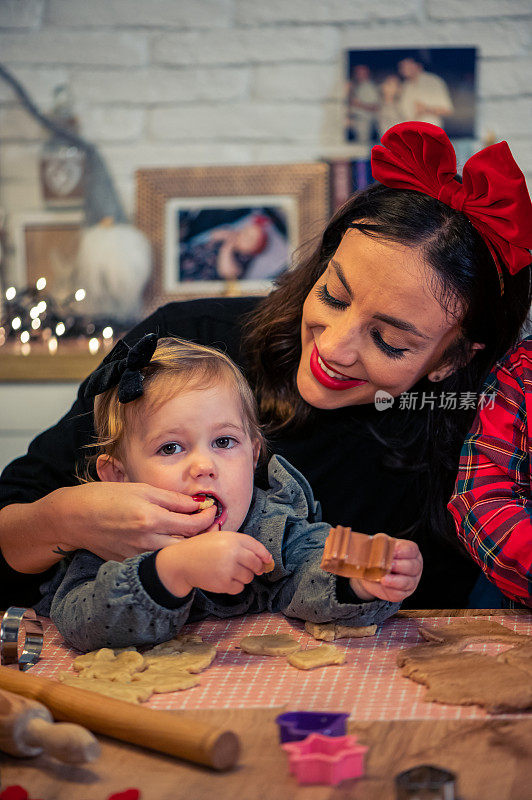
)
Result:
{"points": [[492, 759]]}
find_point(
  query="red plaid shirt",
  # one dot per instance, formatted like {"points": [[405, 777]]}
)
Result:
{"points": [[492, 503]]}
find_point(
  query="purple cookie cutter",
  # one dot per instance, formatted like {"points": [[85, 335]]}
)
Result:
{"points": [[297, 725]]}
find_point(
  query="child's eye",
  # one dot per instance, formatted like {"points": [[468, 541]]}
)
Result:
{"points": [[170, 449], [225, 442]]}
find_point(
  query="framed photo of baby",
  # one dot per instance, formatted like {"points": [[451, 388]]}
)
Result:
{"points": [[227, 230], [384, 87]]}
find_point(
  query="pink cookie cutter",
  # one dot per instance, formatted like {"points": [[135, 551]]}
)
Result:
{"points": [[326, 759]]}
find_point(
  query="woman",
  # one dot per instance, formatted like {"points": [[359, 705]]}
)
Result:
{"points": [[401, 297]]}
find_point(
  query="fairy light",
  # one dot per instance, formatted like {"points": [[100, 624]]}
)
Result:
{"points": [[24, 337], [16, 322], [107, 333], [42, 306], [25, 348], [11, 293], [52, 345], [94, 346], [36, 323], [80, 295], [34, 312], [41, 284], [60, 328]]}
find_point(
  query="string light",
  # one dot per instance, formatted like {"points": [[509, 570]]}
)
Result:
{"points": [[25, 348], [31, 316]]}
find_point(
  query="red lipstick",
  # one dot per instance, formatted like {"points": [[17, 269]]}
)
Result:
{"points": [[327, 380]]}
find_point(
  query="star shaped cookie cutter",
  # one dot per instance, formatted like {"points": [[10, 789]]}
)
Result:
{"points": [[326, 759], [296, 725]]}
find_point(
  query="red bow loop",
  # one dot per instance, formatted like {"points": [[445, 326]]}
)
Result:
{"points": [[493, 193]]}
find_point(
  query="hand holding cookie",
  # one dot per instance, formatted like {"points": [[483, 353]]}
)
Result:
{"points": [[407, 566]]}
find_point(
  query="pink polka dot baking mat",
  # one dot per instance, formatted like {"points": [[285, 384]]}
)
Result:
{"points": [[368, 685]]}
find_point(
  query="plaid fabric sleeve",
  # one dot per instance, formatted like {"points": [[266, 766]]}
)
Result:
{"points": [[491, 504]]}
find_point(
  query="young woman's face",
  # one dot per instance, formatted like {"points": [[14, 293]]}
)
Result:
{"points": [[370, 323], [196, 443]]}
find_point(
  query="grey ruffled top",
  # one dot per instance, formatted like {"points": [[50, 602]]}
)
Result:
{"points": [[111, 604]]}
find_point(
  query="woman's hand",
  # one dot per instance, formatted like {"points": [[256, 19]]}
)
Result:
{"points": [[112, 520], [407, 567], [217, 561]]}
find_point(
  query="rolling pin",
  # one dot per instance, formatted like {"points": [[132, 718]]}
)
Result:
{"points": [[167, 732], [27, 729]]}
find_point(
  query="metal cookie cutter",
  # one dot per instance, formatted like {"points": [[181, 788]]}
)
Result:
{"points": [[12, 621], [426, 782]]}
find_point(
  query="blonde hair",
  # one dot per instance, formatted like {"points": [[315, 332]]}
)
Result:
{"points": [[176, 366]]}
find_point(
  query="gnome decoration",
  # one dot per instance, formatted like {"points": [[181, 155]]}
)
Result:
{"points": [[113, 266]]}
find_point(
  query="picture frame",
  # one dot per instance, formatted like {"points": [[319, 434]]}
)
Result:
{"points": [[222, 230], [45, 244], [385, 86]]}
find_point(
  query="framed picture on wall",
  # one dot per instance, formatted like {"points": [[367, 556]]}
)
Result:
{"points": [[427, 84], [45, 245], [219, 230]]}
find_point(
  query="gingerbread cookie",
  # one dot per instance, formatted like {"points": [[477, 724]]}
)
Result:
{"points": [[314, 657], [329, 631], [269, 644]]}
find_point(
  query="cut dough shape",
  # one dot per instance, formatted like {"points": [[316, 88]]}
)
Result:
{"points": [[81, 662], [161, 681], [186, 652], [128, 675], [329, 631], [269, 644], [131, 692], [119, 668], [314, 657]]}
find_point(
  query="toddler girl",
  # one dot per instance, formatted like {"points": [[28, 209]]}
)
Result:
{"points": [[181, 417]]}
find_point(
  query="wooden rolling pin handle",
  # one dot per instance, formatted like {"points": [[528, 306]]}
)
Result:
{"points": [[164, 731], [27, 729], [62, 740]]}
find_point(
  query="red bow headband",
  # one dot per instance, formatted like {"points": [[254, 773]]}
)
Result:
{"points": [[492, 195]]}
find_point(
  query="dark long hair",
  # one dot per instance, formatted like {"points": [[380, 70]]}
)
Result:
{"points": [[465, 281]]}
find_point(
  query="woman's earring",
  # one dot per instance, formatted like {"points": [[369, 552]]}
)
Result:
{"points": [[436, 378]]}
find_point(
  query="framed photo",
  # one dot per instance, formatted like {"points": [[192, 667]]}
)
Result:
{"points": [[46, 245], [384, 87], [220, 230]]}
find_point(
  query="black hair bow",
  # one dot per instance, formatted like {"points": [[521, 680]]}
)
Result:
{"points": [[124, 371]]}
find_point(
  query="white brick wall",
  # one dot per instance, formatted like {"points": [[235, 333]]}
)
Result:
{"points": [[184, 82]]}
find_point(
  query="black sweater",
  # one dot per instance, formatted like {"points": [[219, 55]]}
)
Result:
{"points": [[335, 450]]}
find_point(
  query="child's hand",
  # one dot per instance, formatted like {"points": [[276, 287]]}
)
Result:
{"points": [[216, 561], [406, 571]]}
